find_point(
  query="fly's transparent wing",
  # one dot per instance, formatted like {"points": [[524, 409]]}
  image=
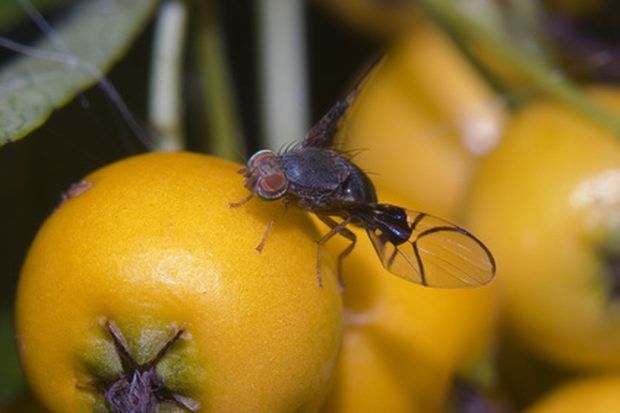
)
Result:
{"points": [[437, 253], [324, 131]]}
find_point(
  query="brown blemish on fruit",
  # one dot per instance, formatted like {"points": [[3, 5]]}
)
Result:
{"points": [[75, 190], [138, 389]]}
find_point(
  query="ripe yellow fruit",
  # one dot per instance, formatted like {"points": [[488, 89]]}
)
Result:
{"points": [[547, 201], [589, 395], [421, 118], [149, 246], [403, 342]]}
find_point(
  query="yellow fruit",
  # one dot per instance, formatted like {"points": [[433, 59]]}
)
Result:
{"points": [[403, 342], [547, 202], [590, 395], [150, 245], [419, 120]]}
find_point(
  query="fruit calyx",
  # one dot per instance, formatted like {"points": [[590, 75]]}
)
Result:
{"points": [[139, 389]]}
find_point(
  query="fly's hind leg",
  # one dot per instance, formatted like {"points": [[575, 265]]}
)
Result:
{"points": [[336, 228]]}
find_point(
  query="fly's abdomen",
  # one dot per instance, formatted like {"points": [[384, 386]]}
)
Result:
{"points": [[358, 188]]}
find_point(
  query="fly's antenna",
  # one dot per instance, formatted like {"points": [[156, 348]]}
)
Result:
{"points": [[72, 61]]}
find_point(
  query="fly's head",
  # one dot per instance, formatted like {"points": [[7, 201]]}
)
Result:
{"points": [[265, 175]]}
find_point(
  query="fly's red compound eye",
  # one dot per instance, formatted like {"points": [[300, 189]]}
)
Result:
{"points": [[272, 186], [271, 181]]}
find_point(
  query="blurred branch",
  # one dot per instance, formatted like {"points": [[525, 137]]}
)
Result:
{"points": [[165, 107], [225, 137], [542, 74], [283, 71]]}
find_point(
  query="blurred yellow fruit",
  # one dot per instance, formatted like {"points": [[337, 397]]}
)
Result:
{"points": [[403, 342], [150, 244], [590, 395], [420, 119], [547, 201]]}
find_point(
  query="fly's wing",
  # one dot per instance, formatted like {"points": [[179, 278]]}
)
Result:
{"points": [[431, 251], [324, 131]]}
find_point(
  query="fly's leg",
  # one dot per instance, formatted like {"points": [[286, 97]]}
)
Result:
{"points": [[336, 228], [261, 245], [242, 202]]}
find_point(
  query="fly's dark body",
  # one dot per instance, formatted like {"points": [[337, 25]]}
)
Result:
{"points": [[321, 181], [318, 178], [325, 182]]}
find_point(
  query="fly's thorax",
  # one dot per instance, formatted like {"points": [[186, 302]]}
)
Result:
{"points": [[314, 168], [326, 177], [265, 175]]}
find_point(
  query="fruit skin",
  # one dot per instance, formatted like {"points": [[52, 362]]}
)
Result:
{"points": [[152, 245], [412, 123], [403, 343], [546, 202], [588, 395]]}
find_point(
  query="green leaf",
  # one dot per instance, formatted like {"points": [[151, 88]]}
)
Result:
{"points": [[12, 13], [94, 35], [12, 382]]}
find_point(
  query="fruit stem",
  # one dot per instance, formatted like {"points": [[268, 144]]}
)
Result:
{"points": [[165, 108], [220, 109]]}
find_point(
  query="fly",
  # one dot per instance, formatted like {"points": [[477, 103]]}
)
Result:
{"points": [[318, 178]]}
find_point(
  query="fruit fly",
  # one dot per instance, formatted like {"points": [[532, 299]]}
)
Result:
{"points": [[317, 177]]}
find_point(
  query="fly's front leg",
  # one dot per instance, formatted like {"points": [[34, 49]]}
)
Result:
{"points": [[336, 228], [239, 203], [261, 245]]}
